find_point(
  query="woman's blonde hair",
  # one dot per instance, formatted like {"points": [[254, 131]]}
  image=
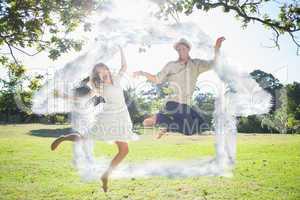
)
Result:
{"points": [[95, 79]]}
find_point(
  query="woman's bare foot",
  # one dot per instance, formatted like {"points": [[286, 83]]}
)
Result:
{"points": [[56, 142], [104, 179]]}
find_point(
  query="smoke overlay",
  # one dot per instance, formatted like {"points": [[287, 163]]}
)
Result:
{"points": [[135, 23]]}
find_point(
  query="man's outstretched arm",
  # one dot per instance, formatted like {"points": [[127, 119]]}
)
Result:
{"points": [[205, 65], [150, 77]]}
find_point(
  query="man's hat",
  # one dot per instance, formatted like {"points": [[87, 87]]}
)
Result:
{"points": [[184, 42]]}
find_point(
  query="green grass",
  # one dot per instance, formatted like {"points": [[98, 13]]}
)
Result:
{"points": [[268, 167]]}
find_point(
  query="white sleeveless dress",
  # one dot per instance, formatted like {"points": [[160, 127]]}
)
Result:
{"points": [[113, 123]]}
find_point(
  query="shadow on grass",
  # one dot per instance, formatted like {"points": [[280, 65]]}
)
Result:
{"points": [[50, 132]]}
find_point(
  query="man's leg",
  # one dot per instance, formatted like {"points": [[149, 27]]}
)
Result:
{"points": [[150, 121], [156, 119], [162, 118]]}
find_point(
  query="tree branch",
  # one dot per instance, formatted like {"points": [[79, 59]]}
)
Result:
{"points": [[244, 15], [26, 53], [11, 52], [288, 20], [296, 42]]}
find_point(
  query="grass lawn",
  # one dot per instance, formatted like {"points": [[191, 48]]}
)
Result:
{"points": [[268, 167]]}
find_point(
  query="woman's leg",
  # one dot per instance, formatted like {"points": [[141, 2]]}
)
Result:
{"points": [[70, 137], [122, 152]]}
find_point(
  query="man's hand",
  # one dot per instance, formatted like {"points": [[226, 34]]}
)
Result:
{"points": [[138, 73], [219, 42], [150, 77]]}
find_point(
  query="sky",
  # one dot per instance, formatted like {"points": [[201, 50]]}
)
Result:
{"points": [[245, 48]]}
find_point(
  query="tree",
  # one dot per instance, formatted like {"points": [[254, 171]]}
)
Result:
{"points": [[137, 106], [293, 93], [294, 124], [41, 25], [205, 103], [268, 82], [15, 94], [287, 20], [262, 124], [30, 27], [252, 124], [146, 102], [279, 119]]}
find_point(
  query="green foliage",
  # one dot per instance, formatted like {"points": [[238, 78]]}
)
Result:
{"points": [[136, 105], [293, 124], [279, 119], [61, 119], [286, 116], [15, 96], [42, 25], [266, 80], [205, 103], [293, 93], [269, 83], [144, 103], [252, 124]]}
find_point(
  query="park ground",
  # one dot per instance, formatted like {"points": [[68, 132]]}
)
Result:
{"points": [[268, 167]]}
